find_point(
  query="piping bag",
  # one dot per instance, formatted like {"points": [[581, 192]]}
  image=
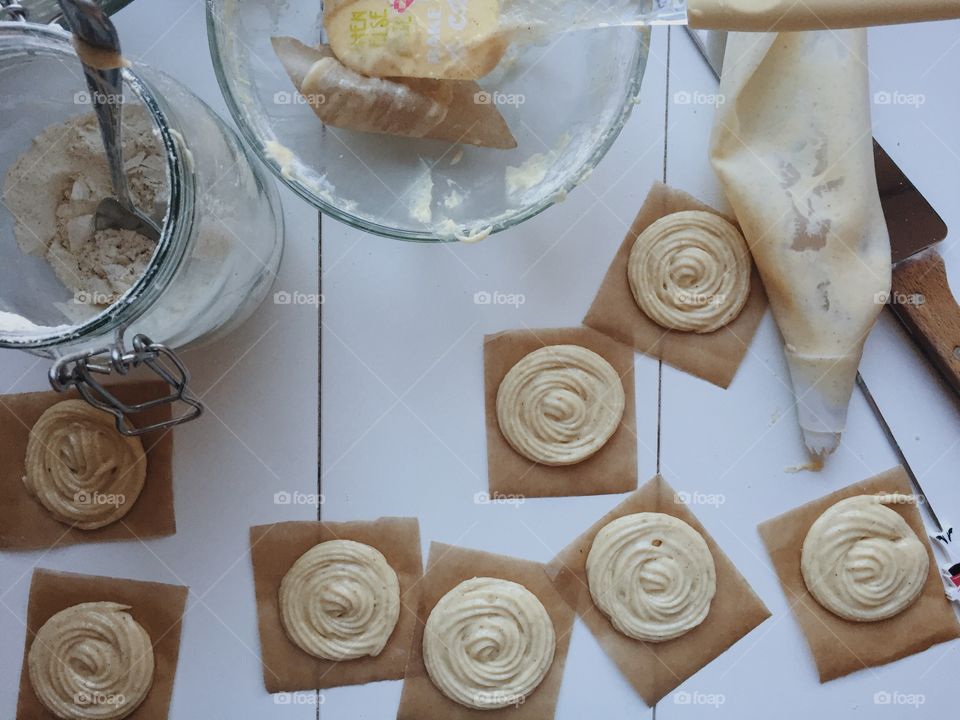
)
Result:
{"points": [[439, 109], [793, 148]]}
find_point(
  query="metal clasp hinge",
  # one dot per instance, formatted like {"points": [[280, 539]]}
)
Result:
{"points": [[79, 370], [13, 10]]}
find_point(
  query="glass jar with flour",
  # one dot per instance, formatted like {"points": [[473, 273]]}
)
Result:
{"points": [[105, 301]]}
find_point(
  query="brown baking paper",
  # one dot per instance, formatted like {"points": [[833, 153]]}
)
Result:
{"points": [[612, 469], [274, 548], [25, 524], [840, 646], [714, 356], [656, 669], [447, 567], [158, 607]]}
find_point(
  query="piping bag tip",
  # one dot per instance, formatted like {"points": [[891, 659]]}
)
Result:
{"points": [[822, 386], [820, 444]]}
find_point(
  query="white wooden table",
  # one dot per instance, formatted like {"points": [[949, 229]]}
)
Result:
{"points": [[401, 409]]}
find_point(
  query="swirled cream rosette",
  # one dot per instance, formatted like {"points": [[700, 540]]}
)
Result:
{"points": [[862, 561], [80, 468], [690, 271], [488, 643], [340, 601], [560, 404], [652, 575], [91, 661]]}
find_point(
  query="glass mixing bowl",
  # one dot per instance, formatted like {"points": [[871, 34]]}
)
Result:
{"points": [[565, 102]]}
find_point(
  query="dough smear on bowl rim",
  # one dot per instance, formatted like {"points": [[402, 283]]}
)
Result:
{"points": [[81, 468], [91, 661], [862, 561], [690, 271], [488, 643], [340, 600], [560, 404], [652, 575]]}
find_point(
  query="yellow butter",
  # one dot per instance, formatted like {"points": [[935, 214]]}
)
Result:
{"points": [[452, 39]]}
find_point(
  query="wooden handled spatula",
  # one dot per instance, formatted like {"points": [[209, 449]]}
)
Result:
{"points": [[921, 296]]}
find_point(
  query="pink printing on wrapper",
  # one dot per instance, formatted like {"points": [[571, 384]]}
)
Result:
{"points": [[950, 571]]}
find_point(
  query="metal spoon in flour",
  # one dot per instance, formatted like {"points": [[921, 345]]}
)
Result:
{"points": [[98, 47]]}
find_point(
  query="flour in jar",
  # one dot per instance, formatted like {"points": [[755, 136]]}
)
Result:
{"points": [[53, 190]]}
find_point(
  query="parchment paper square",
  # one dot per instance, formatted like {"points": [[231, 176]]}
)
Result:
{"points": [[274, 549], [612, 469], [447, 567], [841, 646], [714, 356], [25, 524], [157, 607], [656, 669]]}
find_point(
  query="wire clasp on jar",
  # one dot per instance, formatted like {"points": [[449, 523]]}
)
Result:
{"points": [[79, 370], [13, 10]]}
